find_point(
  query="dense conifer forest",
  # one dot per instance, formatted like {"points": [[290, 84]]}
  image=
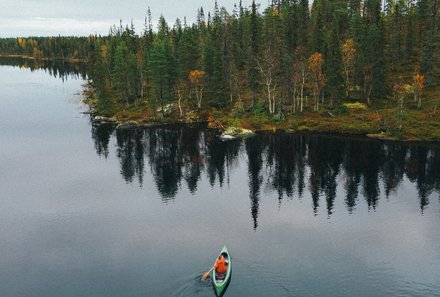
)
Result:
{"points": [[299, 64]]}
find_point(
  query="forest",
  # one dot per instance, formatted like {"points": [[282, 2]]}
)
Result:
{"points": [[346, 66]]}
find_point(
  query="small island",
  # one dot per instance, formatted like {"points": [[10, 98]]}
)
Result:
{"points": [[326, 67]]}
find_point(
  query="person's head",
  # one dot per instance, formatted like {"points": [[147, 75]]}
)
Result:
{"points": [[219, 257]]}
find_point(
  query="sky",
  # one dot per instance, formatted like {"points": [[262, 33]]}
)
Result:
{"points": [[83, 17]]}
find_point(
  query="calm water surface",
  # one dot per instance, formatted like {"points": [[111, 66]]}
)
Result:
{"points": [[90, 211]]}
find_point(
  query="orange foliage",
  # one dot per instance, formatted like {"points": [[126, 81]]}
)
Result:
{"points": [[419, 81], [196, 76], [315, 63]]}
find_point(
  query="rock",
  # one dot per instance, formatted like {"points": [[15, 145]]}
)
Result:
{"points": [[235, 132], [101, 120], [127, 125], [246, 132], [227, 137], [232, 131]]}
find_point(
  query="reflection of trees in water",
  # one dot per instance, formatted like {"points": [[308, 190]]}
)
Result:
{"points": [[254, 149], [60, 69], [174, 155], [281, 163], [101, 136]]}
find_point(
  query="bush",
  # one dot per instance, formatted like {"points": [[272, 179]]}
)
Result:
{"points": [[259, 108], [237, 109], [278, 118], [232, 122], [342, 109], [257, 122], [356, 106]]}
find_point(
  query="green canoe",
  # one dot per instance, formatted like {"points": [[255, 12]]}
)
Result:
{"points": [[220, 285]]}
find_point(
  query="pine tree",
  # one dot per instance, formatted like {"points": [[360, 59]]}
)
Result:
{"points": [[253, 72], [160, 65], [374, 48], [120, 71], [333, 63], [101, 80]]}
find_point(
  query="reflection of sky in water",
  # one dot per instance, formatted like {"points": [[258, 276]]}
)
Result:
{"points": [[72, 226]]}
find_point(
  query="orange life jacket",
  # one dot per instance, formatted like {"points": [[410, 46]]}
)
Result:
{"points": [[220, 266]]}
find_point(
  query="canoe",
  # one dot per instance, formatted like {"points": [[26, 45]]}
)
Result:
{"points": [[219, 285]]}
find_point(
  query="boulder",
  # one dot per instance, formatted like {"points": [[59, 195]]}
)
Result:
{"points": [[235, 132], [127, 125]]}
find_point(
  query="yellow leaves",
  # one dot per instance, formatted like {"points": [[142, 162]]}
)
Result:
{"points": [[401, 89], [348, 51], [196, 76], [21, 42], [104, 51], [315, 63], [419, 81], [33, 42], [356, 106]]}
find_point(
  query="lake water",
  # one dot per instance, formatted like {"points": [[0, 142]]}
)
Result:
{"points": [[90, 211]]}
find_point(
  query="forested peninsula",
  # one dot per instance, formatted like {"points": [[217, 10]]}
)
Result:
{"points": [[367, 67]]}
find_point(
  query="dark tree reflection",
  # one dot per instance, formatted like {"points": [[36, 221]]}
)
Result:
{"points": [[101, 136], [59, 69], [283, 165], [254, 149]]}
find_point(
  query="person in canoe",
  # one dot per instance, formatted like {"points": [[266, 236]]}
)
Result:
{"points": [[221, 266]]}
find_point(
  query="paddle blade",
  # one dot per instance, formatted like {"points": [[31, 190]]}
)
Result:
{"points": [[205, 275]]}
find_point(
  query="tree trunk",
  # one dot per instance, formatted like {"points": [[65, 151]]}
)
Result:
{"points": [[179, 94], [269, 97], [294, 98]]}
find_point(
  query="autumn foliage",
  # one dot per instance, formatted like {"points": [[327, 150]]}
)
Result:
{"points": [[315, 64]]}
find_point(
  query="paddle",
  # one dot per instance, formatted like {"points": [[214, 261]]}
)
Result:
{"points": [[205, 276]]}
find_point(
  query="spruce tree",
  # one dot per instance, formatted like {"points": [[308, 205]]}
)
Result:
{"points": [[253, 72], [333, 63]]}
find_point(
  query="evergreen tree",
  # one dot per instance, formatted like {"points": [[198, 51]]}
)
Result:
{"points": [[120, 73], [374, 48], [101, 80], [333, 63], [253, 72], [160, 65]]}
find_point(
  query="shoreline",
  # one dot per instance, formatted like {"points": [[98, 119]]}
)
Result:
{"points": [[220, 124], [378, 122], [27, 57]]}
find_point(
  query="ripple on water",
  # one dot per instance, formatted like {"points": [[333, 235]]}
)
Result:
{"points": [[191, 285]]}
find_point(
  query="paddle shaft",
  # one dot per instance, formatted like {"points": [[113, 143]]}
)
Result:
{"points": [[205, 276]]}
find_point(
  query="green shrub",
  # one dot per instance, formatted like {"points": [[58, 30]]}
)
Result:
{"points": [[259, 108], [277, 118], [303, 128], [342, 109], [232, 122], [257, 122]]}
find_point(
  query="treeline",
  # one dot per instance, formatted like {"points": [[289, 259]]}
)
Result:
{"points": [[54, 48], [274, 60], [294, 55]]}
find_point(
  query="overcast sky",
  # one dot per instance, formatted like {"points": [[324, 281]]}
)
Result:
{"points": [[84, 17]]}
